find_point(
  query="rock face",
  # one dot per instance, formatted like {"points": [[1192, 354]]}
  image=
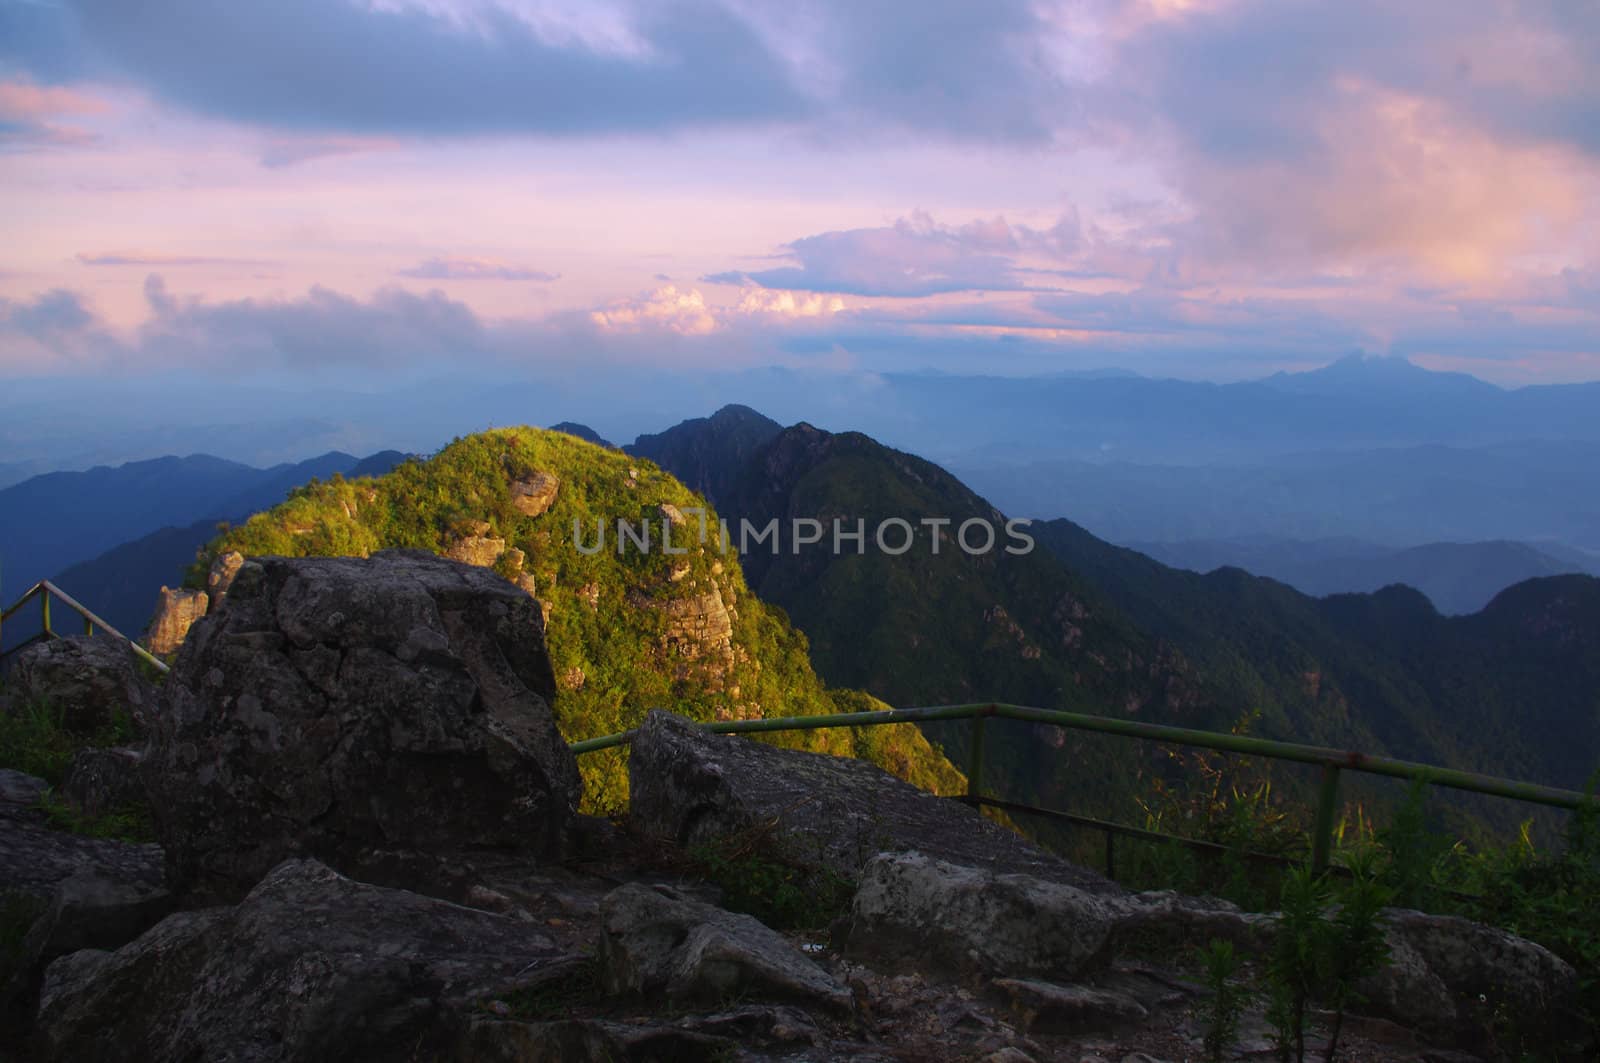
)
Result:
{"points": [[915, 912], [311, 965], [88, 678], [364, 711], [220, 578], [176, 612], [476, 550], [533, 494], [700, 635], [691, 787], [1449, 977], [67, 892], [654, 941]]}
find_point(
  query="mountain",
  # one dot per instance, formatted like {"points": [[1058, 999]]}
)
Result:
{"points": [[1079, 623], [707, 453], [628, 628], [1458, 578], [1513, 690], [112, 536], [584, 432]]}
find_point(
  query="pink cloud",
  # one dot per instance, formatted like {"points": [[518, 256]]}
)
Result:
{"points": [[475, 269]]}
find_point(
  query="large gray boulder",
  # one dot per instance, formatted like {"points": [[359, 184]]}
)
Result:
{"points": [[310, 966], [691, 787], [654, 941], [1457, 979], [914, 912], [88, 679], [374, 713]]}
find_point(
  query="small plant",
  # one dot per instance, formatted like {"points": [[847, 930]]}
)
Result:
{"points": [[1356, 944], [1299, 957], [1227, 999], [782, 895], [554, 998], [129, 823]]}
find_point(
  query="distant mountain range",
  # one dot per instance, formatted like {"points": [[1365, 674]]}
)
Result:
{"points": [[1458, 578], [113, 536]]}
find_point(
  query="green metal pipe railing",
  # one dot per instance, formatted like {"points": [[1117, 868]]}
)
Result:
{"points": [[46, 591], [1332, 761]]}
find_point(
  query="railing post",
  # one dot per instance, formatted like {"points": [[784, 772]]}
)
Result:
{"points": [[1111, 854], [44, 611], [1322, 832], [975, 758], [88, 626]]}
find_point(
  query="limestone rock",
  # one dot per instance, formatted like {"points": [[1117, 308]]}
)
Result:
{"points": [[835, 812], [223, 571], [311, 965], [700, 635], [355, 709], [656, 940], [477, 550], [99, 781], [912, 911], [176, 611], [88, 678], [532, 495]]}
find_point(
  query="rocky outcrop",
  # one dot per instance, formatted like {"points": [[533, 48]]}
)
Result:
{"points": [[374, 713], [655, 941], [479, 550], [691, 787], [64, 892], [176, 612], [1451, 978], [532, 495], [311, 965], [89, 679], [699, 635], [220, 578], [915, 912]]}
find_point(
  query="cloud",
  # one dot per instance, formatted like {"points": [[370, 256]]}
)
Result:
{"points": [[28, 112], [990, 72], [475, 269], [916, 256], [667, 308], [322, 328], [157, 258], [285, 151], [344, 67], [1431, 136]]}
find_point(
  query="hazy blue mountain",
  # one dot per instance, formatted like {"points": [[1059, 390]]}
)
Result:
{"points": [[1527, 491], [1458, 578], [59, 525]]}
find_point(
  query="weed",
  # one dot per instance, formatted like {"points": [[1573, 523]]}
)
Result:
{"points": [[1227, 999]]}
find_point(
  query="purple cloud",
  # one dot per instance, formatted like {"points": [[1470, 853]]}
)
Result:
{"points": [[475, 269]]}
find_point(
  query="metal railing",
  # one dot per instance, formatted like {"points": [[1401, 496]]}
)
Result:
{"points": [[1333, 763], [46, 591]]}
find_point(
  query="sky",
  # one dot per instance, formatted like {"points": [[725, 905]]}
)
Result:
{"points": [[1204, 189]]}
